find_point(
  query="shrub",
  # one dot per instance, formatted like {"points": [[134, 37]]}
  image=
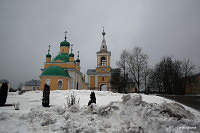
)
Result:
{"points": [[71, 100], [16, 106]]}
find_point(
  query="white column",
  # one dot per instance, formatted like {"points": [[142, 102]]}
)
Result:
{"points": [[106, 60], [97, 61], [89, 80], [96, 81]]}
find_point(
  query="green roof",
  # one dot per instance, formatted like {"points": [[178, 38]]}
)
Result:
{"points": [[62, 56], [65, 43], [55, 71], [48, 55]]}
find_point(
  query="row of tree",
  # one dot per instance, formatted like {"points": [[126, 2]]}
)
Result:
{"points": [[169, 76]]}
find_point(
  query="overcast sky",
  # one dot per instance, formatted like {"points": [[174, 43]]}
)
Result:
{"points": [[160, 27]]}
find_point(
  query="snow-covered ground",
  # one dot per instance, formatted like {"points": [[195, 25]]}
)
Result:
{"points": [[114, 112]]}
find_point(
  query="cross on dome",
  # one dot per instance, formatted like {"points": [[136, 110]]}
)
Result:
{"points": [[65, 34], [49, 49], [72, 47], [78, 54]]}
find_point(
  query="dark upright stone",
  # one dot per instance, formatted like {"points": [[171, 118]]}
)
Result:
{"points": [[46, 93], [3, 91]]}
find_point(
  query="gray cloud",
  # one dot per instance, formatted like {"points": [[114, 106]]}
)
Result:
{"points": [[160, 27]]}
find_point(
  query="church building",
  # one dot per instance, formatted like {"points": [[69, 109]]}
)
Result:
{"points": [[63, 71], [99, 78]]}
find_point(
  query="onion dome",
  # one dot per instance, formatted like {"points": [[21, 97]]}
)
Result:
{"points": [[78, 60], [65, 42], [48, 55], [71, 55], [55, 71]]}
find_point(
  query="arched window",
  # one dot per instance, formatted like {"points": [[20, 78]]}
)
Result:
{"points": [[103, 61], [47, 82], [62, 50], [60, 85]]}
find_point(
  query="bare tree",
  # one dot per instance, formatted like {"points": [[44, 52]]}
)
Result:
{"points": [[172, 76], [146, 77], [187, 67], [122, 63], [137, 62], [187, 71]]}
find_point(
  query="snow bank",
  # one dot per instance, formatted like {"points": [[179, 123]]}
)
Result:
{"points": [[113, 112]]}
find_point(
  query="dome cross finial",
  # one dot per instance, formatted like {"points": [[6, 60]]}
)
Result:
{"points": [[78, 55], [103, 33], [72, 47], [65, 34], [49, 49]]}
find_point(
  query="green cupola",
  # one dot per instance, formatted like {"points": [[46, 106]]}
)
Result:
{"points": [[48, 56], [78, 60], [71, 54], [65, 42]]}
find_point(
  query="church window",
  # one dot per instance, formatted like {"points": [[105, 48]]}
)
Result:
{"points": [[102, 78], [62, 50], [60, 85], [103, 61], [47, 81]]}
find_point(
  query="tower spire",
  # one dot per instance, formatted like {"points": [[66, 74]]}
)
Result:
{"points": [[65, 35]]}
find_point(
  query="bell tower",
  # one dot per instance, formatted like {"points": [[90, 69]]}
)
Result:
{"points": [[103, 56], [99, 78]]}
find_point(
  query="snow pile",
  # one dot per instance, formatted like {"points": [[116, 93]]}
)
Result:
{"points": [[128, 115]]}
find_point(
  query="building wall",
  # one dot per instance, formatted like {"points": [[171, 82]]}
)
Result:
{"points": [[194, 86], [84, 86], [64, 49], [92, 81], [48, 59], [30, 88], [54, 82]]}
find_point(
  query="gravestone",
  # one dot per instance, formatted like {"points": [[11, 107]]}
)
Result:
{"points": [[92, 98], [46, 93], [4, 89]]}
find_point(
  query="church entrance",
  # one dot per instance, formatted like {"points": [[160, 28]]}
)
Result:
{"points": [[103, 87]]}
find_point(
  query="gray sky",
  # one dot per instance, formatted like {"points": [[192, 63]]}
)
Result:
{"points": [[160, 27]]}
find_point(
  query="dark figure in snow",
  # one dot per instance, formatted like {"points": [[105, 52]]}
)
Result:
{"points": [[46, 93], [4, 89], [92, 98]]}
